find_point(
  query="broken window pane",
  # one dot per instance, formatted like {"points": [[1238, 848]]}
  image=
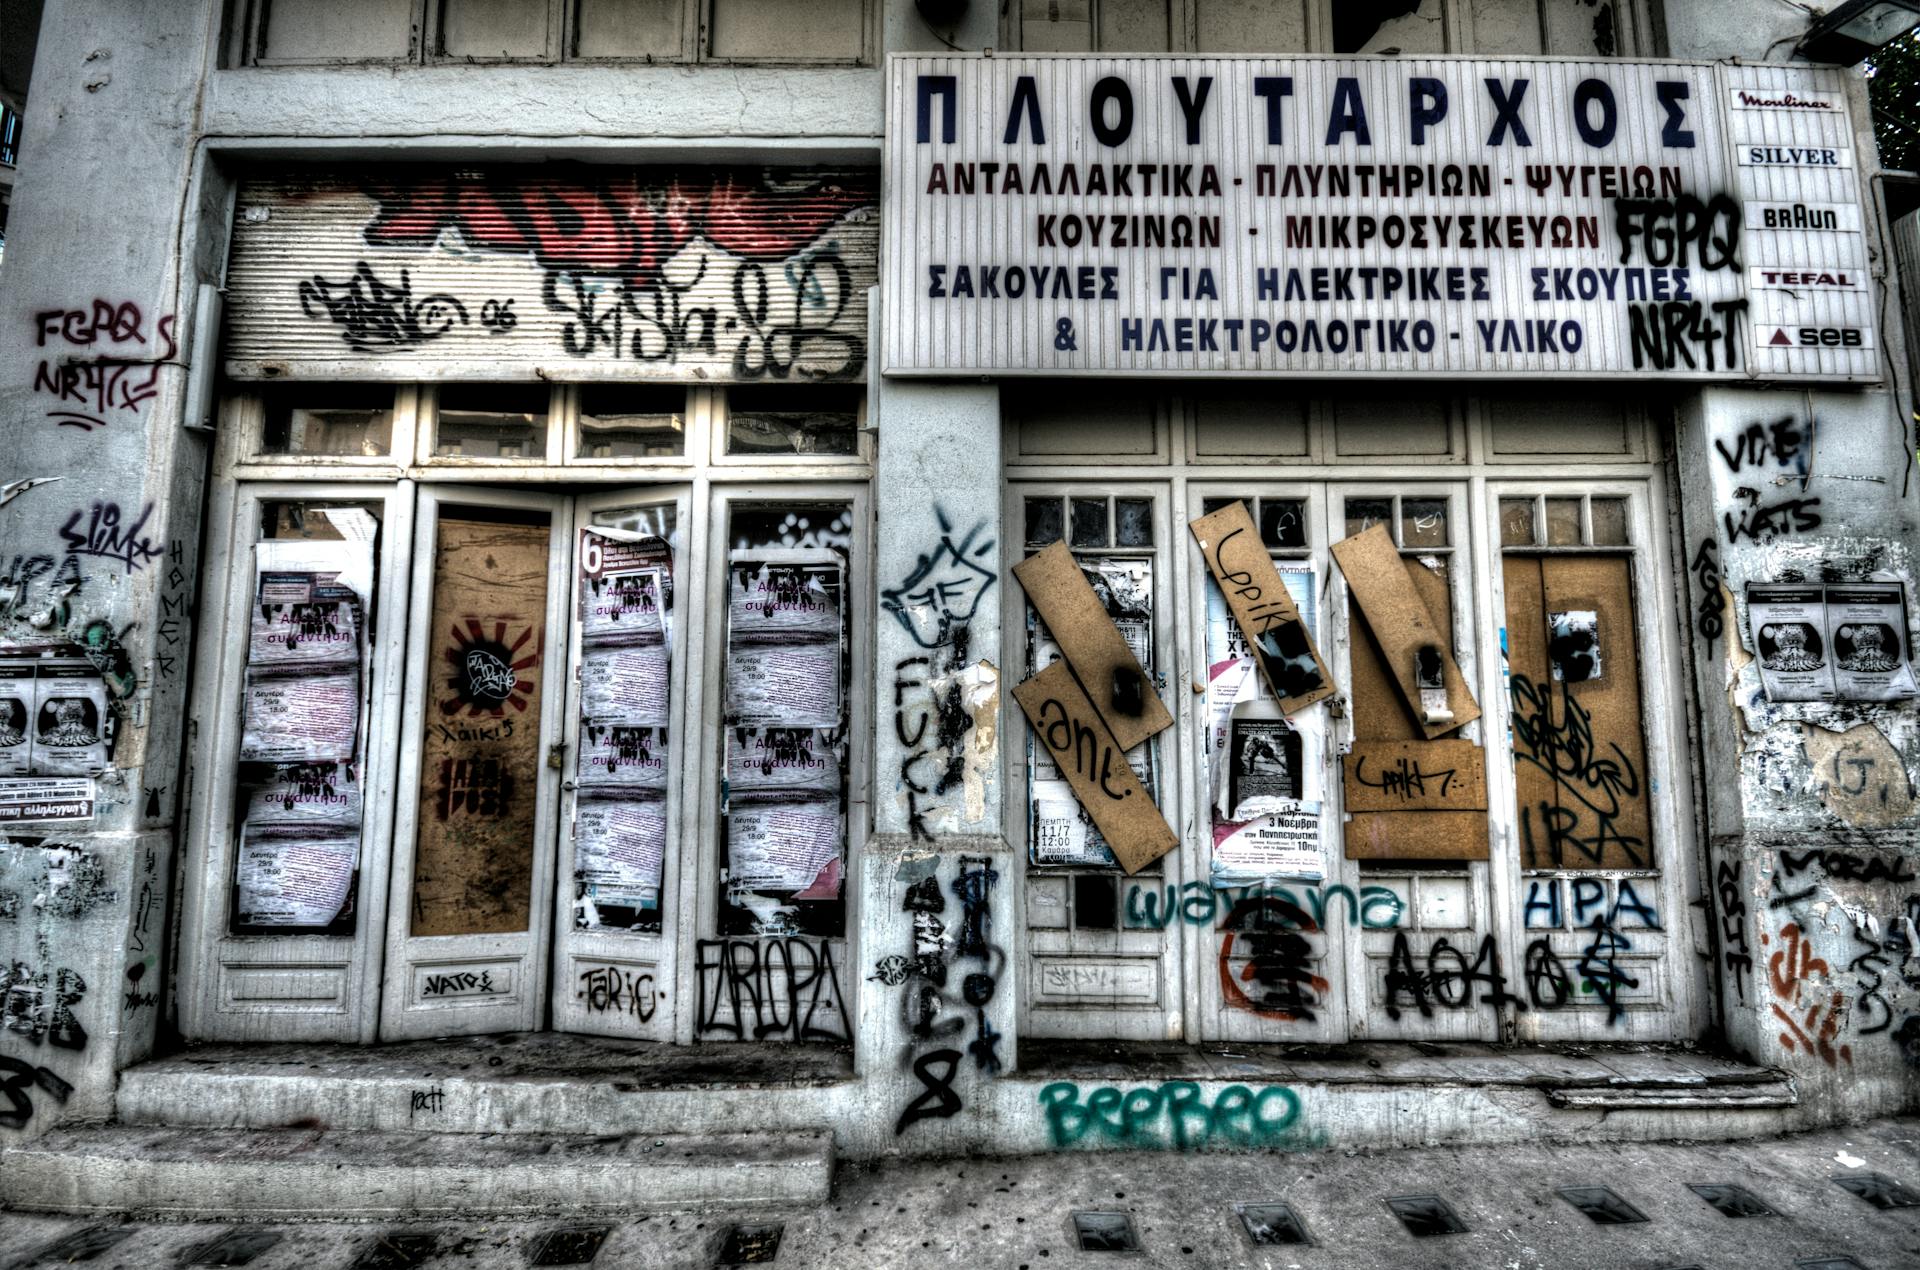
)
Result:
{"points": [[1089, 522], [492, 421], [1364, 513], [1133, 522], [1516, 522], [1046, 521], [1283, 523], [626, 422], [331, 419]]}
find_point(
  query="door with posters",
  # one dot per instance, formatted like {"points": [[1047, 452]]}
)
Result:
{"points": [[1102, 955], [617, 891], [468, 906]]}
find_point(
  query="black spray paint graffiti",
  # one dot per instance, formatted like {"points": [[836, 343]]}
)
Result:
{"points": [[170, 636], [99, 531], [1596, 782], [1449, 977], [1709, 615], [1682, 233], [39, 1006], [1763, 523], [88, 390], [925, 972], [753, 989], [1778, 443], [429, 1101], [1736, 953], [612, 990], [17, 1081], [375, 316], [459, 983], [935, 604]]}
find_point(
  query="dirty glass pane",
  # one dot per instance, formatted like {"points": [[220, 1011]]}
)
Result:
{"points": [[1364, 513], [622, 422], [1283, 523], [783, 802], [1089, 522], [493, 29], [1423, 522], [780, 30], [1046, 521], [1208, 506], [1133, 522], [803, 419], [1609, 522], [1516, 522], [327, 419], [1563, 522], [492, 421], [628, 28], [347, 30], [302, 755]]}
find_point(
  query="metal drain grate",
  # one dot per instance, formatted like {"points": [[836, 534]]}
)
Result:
{"points": [[568, 1246], [398, 1250], [1105, 1232], [1730, 1199], [84, 1245], [1877, 1189], [1273, 1223], [1601, 1205], [1426, 1215], [751, 1245], [234, 1248]]}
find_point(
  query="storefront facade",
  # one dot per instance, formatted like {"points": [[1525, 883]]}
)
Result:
{"points": [[559, 577]]}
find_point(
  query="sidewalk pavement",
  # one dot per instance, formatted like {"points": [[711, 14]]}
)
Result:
{"points": [[1019, 1214]]}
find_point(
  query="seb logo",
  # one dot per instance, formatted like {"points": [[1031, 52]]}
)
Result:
{"points": [[1806, 278], [1815, 337]]}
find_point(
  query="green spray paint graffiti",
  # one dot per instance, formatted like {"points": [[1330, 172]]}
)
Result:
{"points": [[1177, 1115]]}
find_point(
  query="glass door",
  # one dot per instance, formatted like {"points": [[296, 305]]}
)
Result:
{"points": [[617, 903], [469, 904]]}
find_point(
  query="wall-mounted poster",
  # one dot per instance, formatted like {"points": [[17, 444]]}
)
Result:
{"points": [[1867, 628], [1788, 624], [294, 879], [784, 642]]}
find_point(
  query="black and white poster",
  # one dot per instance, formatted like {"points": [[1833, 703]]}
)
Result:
{"points": [[1867, 631], [1788, 623]]}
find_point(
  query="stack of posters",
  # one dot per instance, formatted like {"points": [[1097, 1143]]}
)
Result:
{"points": [[620, 815], [1840, 642], [301, 712], [786, 738], [1265, 772], [54, 734]]}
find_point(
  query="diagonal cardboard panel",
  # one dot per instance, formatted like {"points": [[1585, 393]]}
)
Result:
{"points": [[1401, 625], [1089, 641], [1283, 646], [1072, 732]]}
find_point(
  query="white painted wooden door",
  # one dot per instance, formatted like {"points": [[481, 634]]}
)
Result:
{"points": [[616, 912], [472, 881]]}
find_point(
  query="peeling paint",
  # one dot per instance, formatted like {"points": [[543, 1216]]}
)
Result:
{"points": [[1859, 776]]}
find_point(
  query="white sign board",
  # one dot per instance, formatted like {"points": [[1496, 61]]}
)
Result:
{"points": [[1354, 216]]}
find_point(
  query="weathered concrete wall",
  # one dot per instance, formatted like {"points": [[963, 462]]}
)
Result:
{"points": [[98, 532]]}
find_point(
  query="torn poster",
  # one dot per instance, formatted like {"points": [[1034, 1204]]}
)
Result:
{"points": [[1060, 830], [300, 718], [784, 758], [624, 684], [786, 640], [620, 756], [33, 798], [1788, 624], [619, 847], [784, 685], [293, 880], [1573, 645], [303, 619], [1867, 624], [306, 794], [781, 844], [1263, 767]]}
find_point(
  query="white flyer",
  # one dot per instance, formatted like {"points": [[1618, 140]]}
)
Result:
{"points": [[300, 718], [1788, 623], [781, 844], [69, 718], [30, 798], [614, 754], [784, 758], [294, 880], [307, 794], [792, 685], [303, 619], [347, 564], [17, 701], [629, 604], [773, 594], [1867, 629], [1286, 845], [626, 684], [619, 847]]}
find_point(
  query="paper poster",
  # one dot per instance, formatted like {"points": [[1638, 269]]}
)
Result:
{"points": [[307, 794], [335, 568], [783, 758], [779, 844], [300, 718], [69, 725], [17, 702], [784, 597], [293, 880], [1788, 624], [793, 685], [1867, 627], [626, 605], [302, 619], [1281, 846], [1061, 832], [30, 798], [1263, 767], [618, 849], [617, 755], [1573, 646], [625, 683], [1226, 642]]}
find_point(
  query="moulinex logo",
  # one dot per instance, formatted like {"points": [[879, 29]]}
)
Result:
{"points": [[1745, 100]]}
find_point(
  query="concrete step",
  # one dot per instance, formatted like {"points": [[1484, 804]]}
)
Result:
{"points": [[199, 1173], [1754, 1096]]}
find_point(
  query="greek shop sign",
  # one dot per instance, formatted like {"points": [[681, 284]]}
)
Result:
{"points": [[1188, 216]]}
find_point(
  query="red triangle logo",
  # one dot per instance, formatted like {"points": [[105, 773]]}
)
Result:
{"points": [[1780, 337]]}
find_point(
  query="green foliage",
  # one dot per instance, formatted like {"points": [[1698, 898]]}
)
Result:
{"points": [[1894, 89]]}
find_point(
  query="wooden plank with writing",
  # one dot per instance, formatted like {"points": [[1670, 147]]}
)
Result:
{"points": [[1088, 639], [1070, 729], [1283, 646], [1401, 625], [1417, 835], [1446, 775]]}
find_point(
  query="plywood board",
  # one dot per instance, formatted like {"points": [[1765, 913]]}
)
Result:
{"points": [[1579, 745], [1401, 625], [1094, 764], [480, 749], [1415, 776], [1089, 640], [1282, 645], [1417, 835]]}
